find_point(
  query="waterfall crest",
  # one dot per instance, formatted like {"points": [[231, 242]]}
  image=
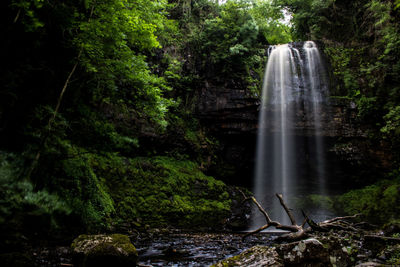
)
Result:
{"points": [[294, 90]]}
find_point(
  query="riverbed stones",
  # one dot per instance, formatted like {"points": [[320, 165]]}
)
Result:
{"points": [[104, 250], [258, 256], [310, 252]]}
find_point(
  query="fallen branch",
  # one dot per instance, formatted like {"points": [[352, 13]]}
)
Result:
{"points": [[297, 231], [342, 218], [288, 211], [340, 223], [313, 225]]}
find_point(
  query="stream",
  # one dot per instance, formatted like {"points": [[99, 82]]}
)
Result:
{"points": [[169, 248], [194, 249]]}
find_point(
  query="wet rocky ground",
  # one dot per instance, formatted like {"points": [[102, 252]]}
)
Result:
{"points": [[194, 249], [172, 248], [177, 248]]}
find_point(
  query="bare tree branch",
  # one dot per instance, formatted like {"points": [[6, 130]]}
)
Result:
{"points": [[297, 231], [289, 213]]}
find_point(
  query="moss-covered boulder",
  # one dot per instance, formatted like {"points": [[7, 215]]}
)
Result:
{"points": [[104, 250]]}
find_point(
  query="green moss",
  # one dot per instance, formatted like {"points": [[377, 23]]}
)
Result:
{"points": [[94, 243], [107, 189], [84, 190], [379, 202], [162, 190], [104, 250], [122, 241]]}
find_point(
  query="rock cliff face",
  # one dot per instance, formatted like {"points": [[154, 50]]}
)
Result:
{"points": [[232, 111], [228, 111], [231, 114]]}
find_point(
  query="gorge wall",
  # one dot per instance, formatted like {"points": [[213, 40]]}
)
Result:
{"points": [[231, 115]]}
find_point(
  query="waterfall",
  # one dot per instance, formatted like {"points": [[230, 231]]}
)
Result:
{"points": [[293, 93]]}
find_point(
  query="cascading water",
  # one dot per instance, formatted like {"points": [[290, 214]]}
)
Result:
{"points": [[293, 90], [317, 84]]}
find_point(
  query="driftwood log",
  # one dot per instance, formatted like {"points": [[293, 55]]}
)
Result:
{"points": [[298, 232]]}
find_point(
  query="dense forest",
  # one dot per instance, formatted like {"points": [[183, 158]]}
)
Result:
{"points": [[100, 125]]}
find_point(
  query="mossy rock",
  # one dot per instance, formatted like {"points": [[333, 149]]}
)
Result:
{"points": [[104, 250], [163, 191]]}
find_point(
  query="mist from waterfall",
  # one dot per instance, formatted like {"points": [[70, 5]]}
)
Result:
{"points": [[294, 90]]}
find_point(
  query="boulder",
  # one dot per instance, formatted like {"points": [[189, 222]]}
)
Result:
{"points": [[104, 250], [310, 252], [313, 252]]}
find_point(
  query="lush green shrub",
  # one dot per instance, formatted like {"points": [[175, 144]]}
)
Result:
{"points": [[380, 202], [22, 206]]}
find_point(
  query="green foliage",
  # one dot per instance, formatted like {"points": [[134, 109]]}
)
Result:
{"points": [[29, 15], [86, 192], [21, 203], [362, 42], [113, 40], [341, 60], [367, 108], [229, 40], [313, 19], [269, 19], [392, 126], [105, 189], [396, 4], [357, 84], [391, 131], [110, 40], [378, 202], [395, 253]]}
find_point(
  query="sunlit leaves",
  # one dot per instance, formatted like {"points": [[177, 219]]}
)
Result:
{"points": [[115, 39], [270, 21], [396, 4]]}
